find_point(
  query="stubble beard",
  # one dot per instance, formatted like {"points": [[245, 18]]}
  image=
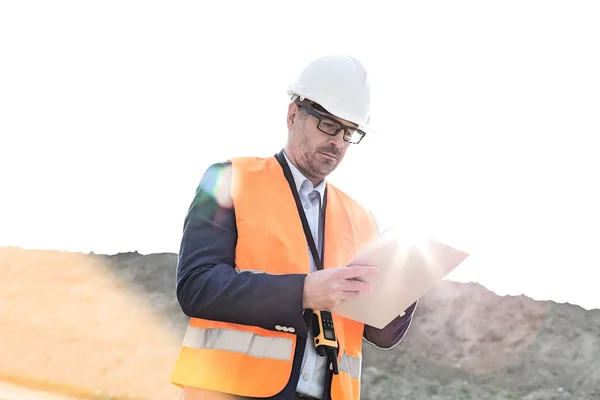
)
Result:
{"points": [[316, 165], [321, 168]]}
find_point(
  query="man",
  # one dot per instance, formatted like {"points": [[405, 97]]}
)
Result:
{"points": [[264, 252]]}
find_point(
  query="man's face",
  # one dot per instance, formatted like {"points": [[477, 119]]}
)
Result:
{"points": [[315, 153]]}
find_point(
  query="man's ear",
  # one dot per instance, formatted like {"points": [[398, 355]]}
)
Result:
{"points": [[292, 115]]}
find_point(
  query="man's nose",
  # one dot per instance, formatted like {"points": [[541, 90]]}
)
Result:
{"points": [[338, 140]]}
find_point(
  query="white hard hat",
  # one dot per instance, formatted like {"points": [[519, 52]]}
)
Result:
{"points": [[339, 84]]}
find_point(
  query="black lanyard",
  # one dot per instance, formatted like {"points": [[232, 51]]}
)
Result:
{"points": [[309, 237]]}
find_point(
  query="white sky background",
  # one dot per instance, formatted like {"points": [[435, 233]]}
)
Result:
{"points": [[488, 116]]}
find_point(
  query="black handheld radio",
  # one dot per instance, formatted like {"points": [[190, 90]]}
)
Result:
{"points": [[325, 340]]}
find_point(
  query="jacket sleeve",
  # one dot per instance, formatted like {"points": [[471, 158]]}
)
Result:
{"points": [[393, 333], [207, 284]]}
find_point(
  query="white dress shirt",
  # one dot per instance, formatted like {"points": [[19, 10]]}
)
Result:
{"points": [[312, 373]]}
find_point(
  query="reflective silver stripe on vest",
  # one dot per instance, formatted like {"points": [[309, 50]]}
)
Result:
{"points": [[238, 341], [254, 271], [350, 365]]}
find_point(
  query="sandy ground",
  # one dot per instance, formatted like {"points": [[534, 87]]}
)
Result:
{"points": [[11, 392], [67, 320]]}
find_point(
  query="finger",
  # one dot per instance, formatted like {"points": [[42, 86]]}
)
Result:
{"points": [[354, 271], [351, 285]]}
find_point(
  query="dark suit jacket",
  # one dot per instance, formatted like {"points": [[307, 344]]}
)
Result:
{"points": [[208, 286]]}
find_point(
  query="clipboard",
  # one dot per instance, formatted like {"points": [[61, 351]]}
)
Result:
{"points": [[408, 268]]}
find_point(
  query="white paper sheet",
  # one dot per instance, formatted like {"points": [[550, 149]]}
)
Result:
{"points": [[408, 268]]}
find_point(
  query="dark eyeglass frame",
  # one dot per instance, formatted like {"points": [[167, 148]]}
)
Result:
{"points": [[348, 130]]}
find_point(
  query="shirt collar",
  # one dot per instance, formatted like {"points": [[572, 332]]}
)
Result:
{"points": [[299, 178]]}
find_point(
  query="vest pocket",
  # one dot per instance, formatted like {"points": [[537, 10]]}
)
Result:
{"points": [[235, 358]]}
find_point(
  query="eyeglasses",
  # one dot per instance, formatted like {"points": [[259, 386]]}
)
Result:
{"points": [[332, 127]]}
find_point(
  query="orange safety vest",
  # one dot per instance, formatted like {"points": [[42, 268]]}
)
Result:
{"points": [[256, 362]]}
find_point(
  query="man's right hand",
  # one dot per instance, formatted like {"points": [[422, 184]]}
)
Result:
{"points": [[327, 288]]}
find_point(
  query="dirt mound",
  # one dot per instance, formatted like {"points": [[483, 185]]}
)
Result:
{"points": [[467, 341], [112, 324]]}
